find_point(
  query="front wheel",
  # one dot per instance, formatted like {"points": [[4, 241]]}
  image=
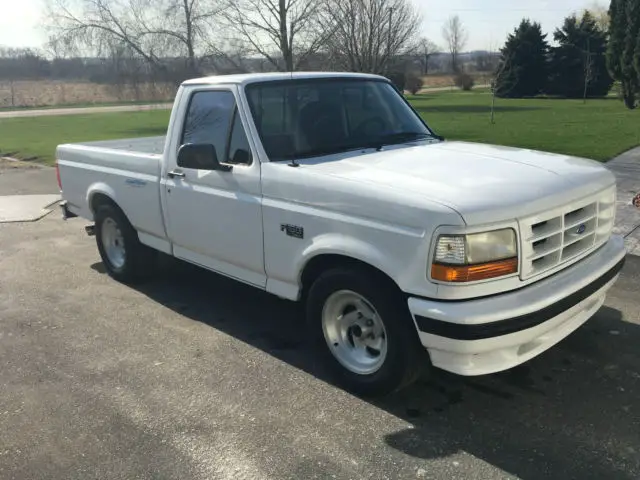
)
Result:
{"points": [[365, 330]]}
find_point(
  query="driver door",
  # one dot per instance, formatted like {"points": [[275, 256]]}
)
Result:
{"points": [[214, 217]]}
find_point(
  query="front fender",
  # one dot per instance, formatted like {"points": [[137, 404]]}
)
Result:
{"points": [[339, 244]]}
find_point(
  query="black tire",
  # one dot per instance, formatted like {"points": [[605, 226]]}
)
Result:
{"points": [[406, 359], [139, 260]]}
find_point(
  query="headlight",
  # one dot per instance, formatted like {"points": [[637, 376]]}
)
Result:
{"points": [[478, 256]]}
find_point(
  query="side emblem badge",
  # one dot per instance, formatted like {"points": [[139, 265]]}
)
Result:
{"points": [[294, 231]]}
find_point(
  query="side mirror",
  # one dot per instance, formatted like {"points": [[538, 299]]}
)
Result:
{"points": [[201, 156]]}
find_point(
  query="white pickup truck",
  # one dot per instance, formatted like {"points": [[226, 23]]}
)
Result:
{"points": [[328, 188]]}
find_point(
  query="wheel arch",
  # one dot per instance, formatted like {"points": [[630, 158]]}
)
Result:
{"points": [[99, 198], [318, 264], [100, 194]]}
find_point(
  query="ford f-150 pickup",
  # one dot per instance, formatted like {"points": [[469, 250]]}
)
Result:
{"points": [[409, 252]]}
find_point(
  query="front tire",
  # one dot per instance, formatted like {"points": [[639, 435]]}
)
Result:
{"points": [[362, 325], [124, 257]]}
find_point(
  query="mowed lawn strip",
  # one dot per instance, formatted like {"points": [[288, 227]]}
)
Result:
{"points": [[599, 129], [38, 136]]}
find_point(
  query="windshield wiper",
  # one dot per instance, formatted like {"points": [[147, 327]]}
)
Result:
{"points": [[392, 139], [402, 137], [330, 150]]}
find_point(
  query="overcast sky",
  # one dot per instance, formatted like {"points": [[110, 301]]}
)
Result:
{"points": [[487, 21]]}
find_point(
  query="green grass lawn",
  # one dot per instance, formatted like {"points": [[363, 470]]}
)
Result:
{"points": [[600, 129], [38, 136]]}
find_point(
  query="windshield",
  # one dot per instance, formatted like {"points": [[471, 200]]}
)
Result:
{"points": [[303, 118]]}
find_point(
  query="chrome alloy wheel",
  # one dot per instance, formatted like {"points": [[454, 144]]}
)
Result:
{"points": [[113, 243], [354, 332]]}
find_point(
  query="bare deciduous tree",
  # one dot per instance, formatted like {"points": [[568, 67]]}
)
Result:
{"points": [[149, 29], [587, 69], [456, 36], [426, 48], [600, 14], [285, 32], [368, 34]]}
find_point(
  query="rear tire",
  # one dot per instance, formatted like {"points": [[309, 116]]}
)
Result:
{"points": [[362, 326], [124, 257]]}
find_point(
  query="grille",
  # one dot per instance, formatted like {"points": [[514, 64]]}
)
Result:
{"points": [[566, 233]]}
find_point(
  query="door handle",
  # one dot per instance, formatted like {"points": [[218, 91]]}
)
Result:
{"points": [[175, 173]]}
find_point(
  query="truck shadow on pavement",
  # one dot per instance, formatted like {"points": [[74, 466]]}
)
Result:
{"points": [[570, 413]]}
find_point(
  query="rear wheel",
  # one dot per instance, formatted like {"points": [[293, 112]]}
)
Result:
{"points": [[365, 330], [124, 257]]}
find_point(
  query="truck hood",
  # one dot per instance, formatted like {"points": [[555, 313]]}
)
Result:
{"points": [[483, 183]]}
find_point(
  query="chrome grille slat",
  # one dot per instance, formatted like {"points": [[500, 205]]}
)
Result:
{"points": [[568, 243], [575, 223], [563, 234], [544, 253], [544, 235]]}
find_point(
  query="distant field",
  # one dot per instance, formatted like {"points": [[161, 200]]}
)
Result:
{"points": [[436, 81], [600, 129], [43, 93]]}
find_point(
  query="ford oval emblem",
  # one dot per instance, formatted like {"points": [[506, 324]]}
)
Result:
{"points": [[581, 229]]}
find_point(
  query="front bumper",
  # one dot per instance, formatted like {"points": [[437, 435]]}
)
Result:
{"points": [[487, 335]]}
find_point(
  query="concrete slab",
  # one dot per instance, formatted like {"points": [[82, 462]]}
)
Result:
{"points": [[26, 178], [26, 208], [626, 168]]}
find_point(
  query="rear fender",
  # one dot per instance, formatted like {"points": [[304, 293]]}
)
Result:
{"points": [[100, 188]]}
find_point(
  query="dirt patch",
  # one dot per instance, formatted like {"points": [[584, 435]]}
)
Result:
{"points": [[7, 163]]}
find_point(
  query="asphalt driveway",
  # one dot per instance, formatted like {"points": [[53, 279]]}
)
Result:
{"points": [[194, 376]]}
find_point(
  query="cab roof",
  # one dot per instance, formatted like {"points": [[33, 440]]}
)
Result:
{"points": [[246, 78]]}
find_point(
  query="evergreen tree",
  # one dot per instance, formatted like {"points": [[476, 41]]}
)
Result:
{"points": [[624, 47], [578, 64], [523, 69]]}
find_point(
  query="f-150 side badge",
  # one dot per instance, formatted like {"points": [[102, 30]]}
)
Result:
{"points": [[134, 182], [292, 230]]}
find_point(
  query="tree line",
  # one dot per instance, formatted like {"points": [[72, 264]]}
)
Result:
{"points": [[170, 40], [357, 35], [590, 54]]}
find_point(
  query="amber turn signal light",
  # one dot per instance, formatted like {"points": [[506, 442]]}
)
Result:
{"points": [[473, 273]]}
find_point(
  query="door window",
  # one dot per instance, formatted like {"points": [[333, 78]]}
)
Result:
{"points": [[212, 118], [208, 120]]}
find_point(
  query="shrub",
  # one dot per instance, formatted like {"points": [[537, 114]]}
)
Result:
{"points": [[413, 83], [464, 81], [398, 79]]}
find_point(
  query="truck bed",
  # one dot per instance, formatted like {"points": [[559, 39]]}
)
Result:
{"points": [[125, 170], [139, 155], [151, 145]]}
